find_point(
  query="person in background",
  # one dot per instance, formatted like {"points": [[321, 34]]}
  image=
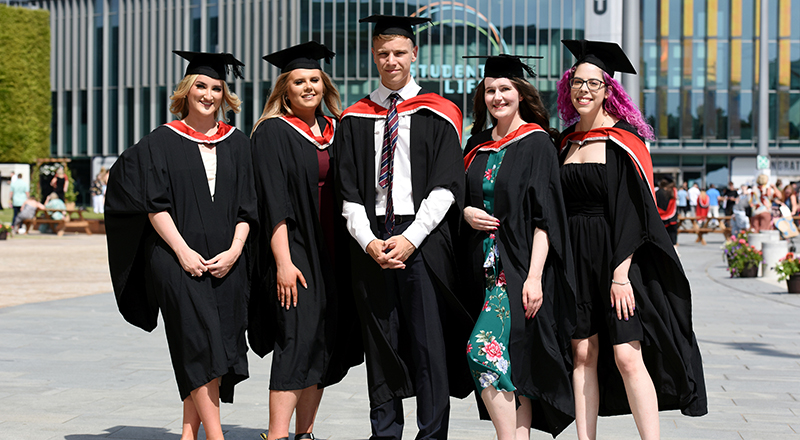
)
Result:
{"points": [[701, 211], [27, 212], [693, 193], [713, 201], [761, 199], [666, 198], [60, 183], [20, 191], [179, 209], [683, 200], [634, 348], [98, 190], [790, 199], [730, 196]]}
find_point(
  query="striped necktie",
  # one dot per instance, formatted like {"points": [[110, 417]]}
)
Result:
{"points": [[387, 158]]}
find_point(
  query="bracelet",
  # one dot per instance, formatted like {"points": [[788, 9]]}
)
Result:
{"points": [[620, 282], [237, 238]]}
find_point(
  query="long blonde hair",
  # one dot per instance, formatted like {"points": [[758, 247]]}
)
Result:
{"points": [[278, 103], [179, 107]]}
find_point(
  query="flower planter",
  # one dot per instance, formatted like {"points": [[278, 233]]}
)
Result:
{"points": [[793, 283], [749, 272]]}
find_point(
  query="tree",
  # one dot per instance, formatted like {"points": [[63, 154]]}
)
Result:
{"points": [[25, 109]]}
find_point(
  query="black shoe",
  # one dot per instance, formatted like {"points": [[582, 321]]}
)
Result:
{"points": [[265, 437], [308, 436]]}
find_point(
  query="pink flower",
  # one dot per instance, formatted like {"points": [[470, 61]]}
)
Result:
{"points": [[493, 350], [469, 347], [741, 240], [488, 174], [486, 307], [501, 279]]}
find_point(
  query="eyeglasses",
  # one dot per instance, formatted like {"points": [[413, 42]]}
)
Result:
{"points": [[592, 84]]}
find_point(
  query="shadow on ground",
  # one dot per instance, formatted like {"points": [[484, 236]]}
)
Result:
{"points": [[232, 432]]}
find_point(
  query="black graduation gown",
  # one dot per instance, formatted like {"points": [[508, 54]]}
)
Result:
{"points": [[205, 317], [528, 196], [436, 161], [313, 342], [661, 290]]}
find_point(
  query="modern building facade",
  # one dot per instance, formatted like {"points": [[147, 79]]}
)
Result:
{"points": [[113, 70]]}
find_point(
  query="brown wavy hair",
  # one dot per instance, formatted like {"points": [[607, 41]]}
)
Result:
{"points": [[531, 108], [180, 108], [278, 103]]}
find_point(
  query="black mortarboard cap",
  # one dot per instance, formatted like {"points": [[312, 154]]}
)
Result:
{"points": [[605, 55], [302, 56], [505, 66], [394, 24], [213, 65]]}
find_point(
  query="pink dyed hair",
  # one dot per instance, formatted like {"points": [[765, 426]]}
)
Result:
{"points": [[618, 104]]}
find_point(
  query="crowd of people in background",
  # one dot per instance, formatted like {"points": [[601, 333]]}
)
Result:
{"points": [[750, 207]]}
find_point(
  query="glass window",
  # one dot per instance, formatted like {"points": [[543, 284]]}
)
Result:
{"points": [[795, 20], [721, 111], [675, 16], [746, 114], [794, 116], [84, 119], [748, 65], [748, 18], [145, 107], [692, 160], [673, 115], [724, 18], [675, 64], [113, 122], [773, 19], [98, 51], [249, 115], [723, 65], [162, 104], [773, 118], [128, 112], [699, 18], [54, 125], [649, 107], [650, 59], [773, 66], [196, 22], [113, 53], [68, 123], [213, 28], [97, 148], [699, 64], [666, 160], [795, 62], [697, 114]]}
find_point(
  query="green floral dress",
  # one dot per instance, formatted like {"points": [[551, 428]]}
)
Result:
{"points": [[487, 350]]}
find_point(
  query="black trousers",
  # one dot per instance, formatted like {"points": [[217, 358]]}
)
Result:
{"points": [[416, 327]]}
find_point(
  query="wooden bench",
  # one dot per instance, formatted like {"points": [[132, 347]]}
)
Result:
{"points": [[701, 231], [73, 219]]}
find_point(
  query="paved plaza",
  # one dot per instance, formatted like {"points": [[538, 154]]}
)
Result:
{"points": [[73, 369]]}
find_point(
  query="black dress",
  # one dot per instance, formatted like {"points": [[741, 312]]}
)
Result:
{"points": [[585, 193], [311, 343], [204, 317], [612, 216]]}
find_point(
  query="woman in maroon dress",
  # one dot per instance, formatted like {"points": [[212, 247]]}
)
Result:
{"points": [[295, 303]]}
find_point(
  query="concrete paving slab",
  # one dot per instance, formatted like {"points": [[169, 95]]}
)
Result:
{"points": [[73, 369]]}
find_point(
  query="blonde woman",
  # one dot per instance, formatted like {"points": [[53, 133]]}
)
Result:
{"points": [[295, 300], [179, 207]]}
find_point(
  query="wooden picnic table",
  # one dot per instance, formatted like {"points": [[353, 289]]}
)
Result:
{"points": [[700, 226], [73, 218]]}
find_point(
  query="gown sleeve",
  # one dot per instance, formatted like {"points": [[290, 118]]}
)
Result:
{"points": [[130, 195]]}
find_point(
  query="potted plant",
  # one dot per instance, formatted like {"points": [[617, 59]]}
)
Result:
{"points": [[743, 259], [788, 268], [4, 231]]}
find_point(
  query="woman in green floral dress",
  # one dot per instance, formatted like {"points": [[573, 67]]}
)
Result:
{"points": [[519, 261]]}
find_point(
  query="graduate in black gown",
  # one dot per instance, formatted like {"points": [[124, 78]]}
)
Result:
{"points": [[519, 262], [399, 170], [179, 208], [296, 312], [634, 347]]}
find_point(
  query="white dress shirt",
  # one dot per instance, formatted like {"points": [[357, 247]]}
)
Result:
{"points": [[432, 209]]}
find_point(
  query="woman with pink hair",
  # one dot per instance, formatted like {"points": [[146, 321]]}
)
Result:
{"points": [[634, 349]]}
